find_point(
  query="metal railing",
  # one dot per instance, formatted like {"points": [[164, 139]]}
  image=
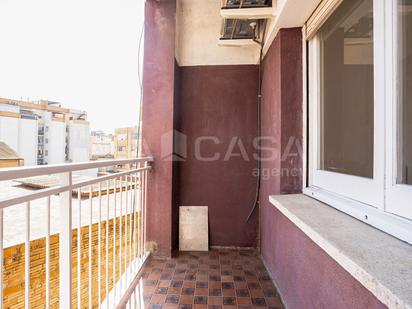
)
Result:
{"points": [[121, 249]]}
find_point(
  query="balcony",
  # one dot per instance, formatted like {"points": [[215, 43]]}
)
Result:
{"points": [[242, 131], [237, 131], [83, 243], [76, 242]]}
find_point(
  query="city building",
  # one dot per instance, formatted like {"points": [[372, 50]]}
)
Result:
{"points": [[78, 137], [126, 141], [18, 129], [102, 145], [43, 132], [102, 148]]}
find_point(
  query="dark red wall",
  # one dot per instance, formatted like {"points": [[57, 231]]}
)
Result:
{"points": [[219, 101], [282, 113], [305, 275], [158, 100]]}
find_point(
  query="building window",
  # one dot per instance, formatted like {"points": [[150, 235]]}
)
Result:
{"points": [[360, 107], [46, 153], [122, 137], [121, 148], [346, 85]]}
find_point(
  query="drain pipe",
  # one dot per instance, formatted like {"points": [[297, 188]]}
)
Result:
{"points": [[259, 129]]}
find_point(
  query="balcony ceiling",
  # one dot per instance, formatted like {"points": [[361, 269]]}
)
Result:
{"points": [[199, 28]]}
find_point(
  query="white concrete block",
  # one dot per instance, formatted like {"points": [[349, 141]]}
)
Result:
{"points": [[193, 228]]}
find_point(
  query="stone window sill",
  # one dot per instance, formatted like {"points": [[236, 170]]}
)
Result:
{"points": [[380, 262]]}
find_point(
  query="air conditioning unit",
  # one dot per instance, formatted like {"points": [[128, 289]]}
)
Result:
{"points": [[241, 32], [244, 21]]}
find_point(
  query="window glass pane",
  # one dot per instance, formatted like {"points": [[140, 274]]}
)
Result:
{"points": [[347, 113], [405, 91]]}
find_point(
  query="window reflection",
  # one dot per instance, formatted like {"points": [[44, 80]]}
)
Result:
{"points": [[347, 96]]}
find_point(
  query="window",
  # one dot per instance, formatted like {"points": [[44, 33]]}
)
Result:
{"points": [[122, 137], [399, 114], [360, 107], [404, 57], [346, 55], [348, 148]]}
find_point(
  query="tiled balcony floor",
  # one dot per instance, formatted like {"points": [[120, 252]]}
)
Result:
{"points": [[214, 279]]}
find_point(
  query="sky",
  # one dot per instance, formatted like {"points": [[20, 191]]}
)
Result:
{"points": [[82, 53]]}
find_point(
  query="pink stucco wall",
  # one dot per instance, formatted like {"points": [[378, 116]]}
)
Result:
{"points": [[158, 99], [305, 275]]}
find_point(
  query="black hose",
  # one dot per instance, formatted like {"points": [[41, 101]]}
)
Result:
{"points": [[259, 129]]}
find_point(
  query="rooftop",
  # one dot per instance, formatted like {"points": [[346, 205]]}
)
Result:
{"points": [[7, 153]]}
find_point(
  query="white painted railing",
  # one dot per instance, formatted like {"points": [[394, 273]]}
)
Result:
{"points": [[124, 196]]}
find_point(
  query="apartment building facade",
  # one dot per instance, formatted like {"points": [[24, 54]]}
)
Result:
{"points": [[43, 132], [126, 141], [16, 128], [102, 145]]}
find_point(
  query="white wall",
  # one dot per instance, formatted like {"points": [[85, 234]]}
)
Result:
{"points": [[57, 143], [79, 146], [21, 136], [79, 142], [9, 132], [198, 32], [101, 144], [101, 148], [54, 140], [27, 141]]}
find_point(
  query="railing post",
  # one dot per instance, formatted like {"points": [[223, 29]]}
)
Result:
{"points": [[65, 243]]}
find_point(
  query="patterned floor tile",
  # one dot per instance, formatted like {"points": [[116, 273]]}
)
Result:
{"points": [[217, 279]]}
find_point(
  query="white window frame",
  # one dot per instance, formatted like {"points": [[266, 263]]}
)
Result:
{"points": [[378, 201], [398, 196]]}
